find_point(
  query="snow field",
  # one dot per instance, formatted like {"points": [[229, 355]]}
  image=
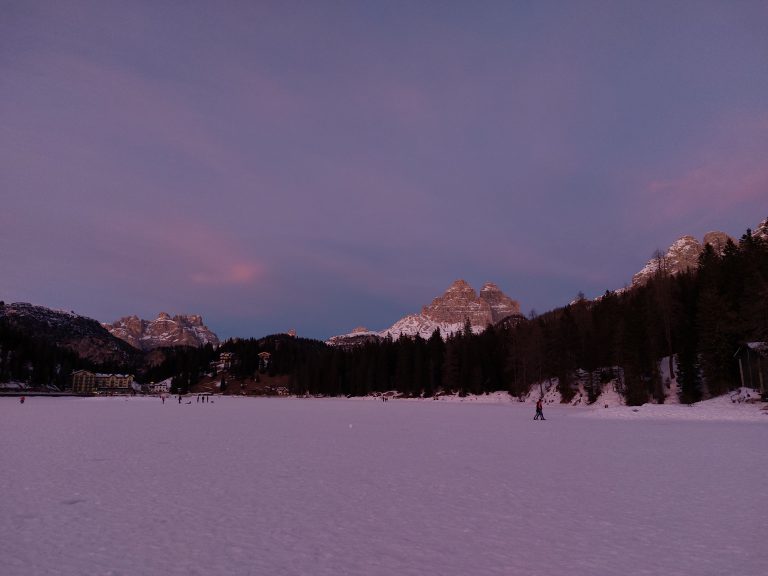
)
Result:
{"points": [[333, 487]]}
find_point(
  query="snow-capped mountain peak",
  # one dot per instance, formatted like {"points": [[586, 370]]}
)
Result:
{"points": [[447, 313]]}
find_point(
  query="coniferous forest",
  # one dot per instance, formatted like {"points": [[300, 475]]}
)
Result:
{"points": [[702, 318]]}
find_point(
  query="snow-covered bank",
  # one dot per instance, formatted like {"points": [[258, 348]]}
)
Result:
{"points": [[723, 408], [742, 404]]}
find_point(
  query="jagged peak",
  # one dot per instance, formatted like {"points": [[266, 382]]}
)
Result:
{"points": [[179, 330], [683, 241], [682, 255], [460, 285]]}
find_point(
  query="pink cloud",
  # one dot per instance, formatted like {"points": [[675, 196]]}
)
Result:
{"points": [[716, 186], [730, 168], [242, 273], [188, 251]]}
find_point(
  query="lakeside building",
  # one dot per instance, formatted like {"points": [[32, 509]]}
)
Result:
{"points": [[162, 387], [87, 382]]}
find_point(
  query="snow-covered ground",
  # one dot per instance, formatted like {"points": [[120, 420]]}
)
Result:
{"points": [[334, 487]]}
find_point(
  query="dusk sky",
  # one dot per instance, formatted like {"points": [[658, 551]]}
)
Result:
{"points": [[323, 165]]}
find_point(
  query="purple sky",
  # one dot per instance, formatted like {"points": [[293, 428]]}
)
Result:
{"points": [[321, 165]]}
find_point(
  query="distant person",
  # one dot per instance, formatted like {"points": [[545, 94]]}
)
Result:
{"points": [[179, 398], [162, 398], [539, 410], [21, 400]]}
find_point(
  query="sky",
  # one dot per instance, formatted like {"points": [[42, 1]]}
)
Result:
{"points": [[323, 165]]}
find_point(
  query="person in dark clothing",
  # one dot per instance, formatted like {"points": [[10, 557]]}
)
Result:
{"points": [[539, 411]]}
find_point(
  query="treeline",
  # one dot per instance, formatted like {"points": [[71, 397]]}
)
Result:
{"points": [[701, 317], [185, 365], [35, 361]]}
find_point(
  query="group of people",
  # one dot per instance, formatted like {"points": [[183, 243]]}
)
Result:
{"points": [[204, 398]]}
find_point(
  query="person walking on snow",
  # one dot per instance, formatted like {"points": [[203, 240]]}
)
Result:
{"points": [[539, 412]]}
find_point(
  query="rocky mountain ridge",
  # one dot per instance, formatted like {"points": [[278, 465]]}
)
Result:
{"points": [[447, 313], [683, 254], [164, 331], [85, 336]]}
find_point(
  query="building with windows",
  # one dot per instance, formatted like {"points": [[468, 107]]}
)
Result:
{"points": [[163, 387], [264, 359], [86, 382], [225, 360]]}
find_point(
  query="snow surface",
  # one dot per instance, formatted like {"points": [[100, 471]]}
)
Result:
{"points": [[334, 487]]}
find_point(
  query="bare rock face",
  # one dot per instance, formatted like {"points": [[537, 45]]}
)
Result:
{"points": [[460, 302], [163, 331], [447, 314], [129, 329], [683, 255], [502, 306]]}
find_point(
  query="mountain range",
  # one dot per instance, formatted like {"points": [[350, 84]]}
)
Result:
{"points": [[164, 331]]}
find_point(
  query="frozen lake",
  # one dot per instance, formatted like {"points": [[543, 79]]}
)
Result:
{"points": [[334, 487]]}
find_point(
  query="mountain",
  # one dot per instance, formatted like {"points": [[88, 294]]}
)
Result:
{"points": [[359, 336], [762, 230], [447, 313], [85, 336], [682, 256], [684, 253], [162, 332]]}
